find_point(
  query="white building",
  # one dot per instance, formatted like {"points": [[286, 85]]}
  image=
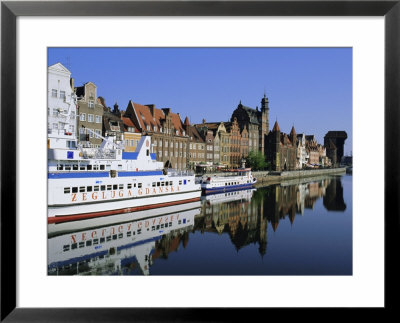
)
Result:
{"points": [[302, 157], [61, 108]]}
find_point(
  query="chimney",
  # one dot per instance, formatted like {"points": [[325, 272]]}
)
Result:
{"points": [[151, 108], [72, 83], [167, 111]]}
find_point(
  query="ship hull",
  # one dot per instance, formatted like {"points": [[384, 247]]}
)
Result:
{"points": [[222, 189], [60, 214]]}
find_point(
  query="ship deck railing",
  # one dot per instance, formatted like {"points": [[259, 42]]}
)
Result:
{"points": [[178, 172]]}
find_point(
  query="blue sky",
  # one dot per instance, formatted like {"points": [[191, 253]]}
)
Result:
{"points": [[310, 88]]}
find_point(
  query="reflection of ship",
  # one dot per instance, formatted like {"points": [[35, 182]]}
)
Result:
{"points": [[238, 179], [61, 228], [228, 196], [121, 248]]}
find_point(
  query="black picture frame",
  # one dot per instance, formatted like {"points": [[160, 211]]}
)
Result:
{"points": [[10, 10]]}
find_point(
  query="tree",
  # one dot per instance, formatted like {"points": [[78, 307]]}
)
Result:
{"points": [[256, 161]]}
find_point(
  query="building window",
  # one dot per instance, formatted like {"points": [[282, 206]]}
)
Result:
{"points": [[71, 128], [91, 104], [83, 117], [62, 95], [98, 119], [54, 93], [90, 118], [132, 142], [55, 125]]}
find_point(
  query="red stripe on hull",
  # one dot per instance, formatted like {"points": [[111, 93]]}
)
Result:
{"points": [[77, 217]]}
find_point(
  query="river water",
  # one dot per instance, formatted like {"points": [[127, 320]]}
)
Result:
{"points": [[300, 227]]}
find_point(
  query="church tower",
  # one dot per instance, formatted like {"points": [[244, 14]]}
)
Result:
{"points": [[264, 121]]}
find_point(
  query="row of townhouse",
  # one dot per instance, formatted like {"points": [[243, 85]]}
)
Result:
{"points": [[178, 144]]}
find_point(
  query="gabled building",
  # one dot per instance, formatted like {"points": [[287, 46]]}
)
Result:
{"points": [[256, 122], [196, 150], [280, 151], [113, 125], [61, 107], [169, 138], [131, 135], [235, 143], [90, 119]]}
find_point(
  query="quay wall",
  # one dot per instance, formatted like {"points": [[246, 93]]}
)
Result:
{"points": [[269, 177]]}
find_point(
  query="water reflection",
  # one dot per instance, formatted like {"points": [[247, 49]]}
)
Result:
{"points": [[134, 246]]}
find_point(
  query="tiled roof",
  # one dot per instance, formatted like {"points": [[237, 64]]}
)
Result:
{"points": [[276, 127], [145, 118]]}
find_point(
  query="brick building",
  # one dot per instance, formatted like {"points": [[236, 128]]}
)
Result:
{"points": [[169, 138], [280, 151], [256, 121]]}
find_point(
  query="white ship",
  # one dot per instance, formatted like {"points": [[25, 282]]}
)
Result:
{"points": [[237, 179], [113, 182]]}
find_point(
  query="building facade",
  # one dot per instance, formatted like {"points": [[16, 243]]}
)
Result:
{"points": [[90, 121], [280, 151], [61, 106], [169, 137]]}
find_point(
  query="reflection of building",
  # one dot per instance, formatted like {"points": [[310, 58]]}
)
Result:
{"points": [[333, 200]]}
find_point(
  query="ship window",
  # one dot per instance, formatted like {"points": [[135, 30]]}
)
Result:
{"points": [[74, 246], [129, 186], [88, 243], [128, 234], [120, 235], [109, 187], [108, 167], [139, 231], [153, 184], [66, 247], [166, 225], [158, 227], [89, 189], [82, 189], [170, 224], [121, 186], [170, 183], [184, 182], [139, 185], [158, 184], [133, 232], [67, 190], [60, 167], [114, 237], [74, 190], [96, 188], [81, 244], [166, 183], [179, 222], [95, 241], [180, 182], [162, 226], [82, 168], [89, 167], [162, 183], [74, 167], [103, 187], [226, 184], [134, 185], [95, 167], [153, 228], [115, 187], [67, 167], [101, 167], [102, 239], [108, 238]]}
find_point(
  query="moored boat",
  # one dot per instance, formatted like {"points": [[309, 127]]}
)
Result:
{"points": [[236, 179]]}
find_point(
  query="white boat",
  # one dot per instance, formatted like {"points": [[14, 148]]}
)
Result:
{"points": [[111, 182], [117, 247], [218, 198], [236, 179]]}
